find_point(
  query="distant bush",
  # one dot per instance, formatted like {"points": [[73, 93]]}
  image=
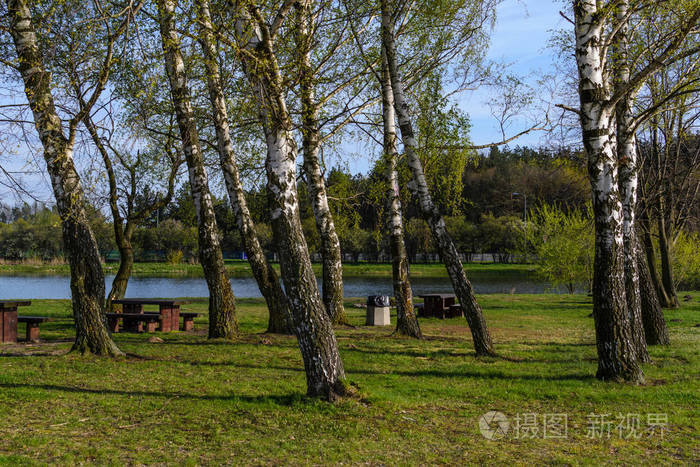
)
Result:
{"points": [[174, 256], [563, 245], [686, 260]]}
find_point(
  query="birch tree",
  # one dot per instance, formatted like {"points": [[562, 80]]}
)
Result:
{"points": [[87, 278], [406, 321], [446, 247], [255, 37], [222, 314], [601, 88], [265, 275], [628, 176], [332, 275]]}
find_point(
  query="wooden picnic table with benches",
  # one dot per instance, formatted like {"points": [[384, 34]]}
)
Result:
{"points": [[9, 320], [436, 304], [167, 318]]}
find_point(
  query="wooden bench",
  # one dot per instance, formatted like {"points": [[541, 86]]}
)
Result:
{"points": [[454, 311], [33, 323], [419, 308], [188, 320], [133, 322], [437, 304]]}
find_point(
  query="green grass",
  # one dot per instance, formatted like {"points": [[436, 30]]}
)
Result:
{"points": [[191, 401], [237, 268]]}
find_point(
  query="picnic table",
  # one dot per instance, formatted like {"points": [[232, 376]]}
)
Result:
{"points": [[133, 315], [436, 304], [8, 319]]}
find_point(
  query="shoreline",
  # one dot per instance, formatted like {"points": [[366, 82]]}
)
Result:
{"points": [[241, 269]]}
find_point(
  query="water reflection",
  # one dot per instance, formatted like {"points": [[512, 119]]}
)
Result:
{"points": [[38, 287]]}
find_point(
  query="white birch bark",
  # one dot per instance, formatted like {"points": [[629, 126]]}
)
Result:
{"points": [[325, 375], [628, 170], [330, 244], [222, 313], [265, 275], [446, 247], [406, 321], [616, 352]]}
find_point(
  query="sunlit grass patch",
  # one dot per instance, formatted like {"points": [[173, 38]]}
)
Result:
{"points": [[192, 401]]}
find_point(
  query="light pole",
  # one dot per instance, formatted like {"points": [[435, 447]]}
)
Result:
{"points": [[515, 194]]}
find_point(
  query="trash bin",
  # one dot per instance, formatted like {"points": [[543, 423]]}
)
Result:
{"points": [[378, 311]]}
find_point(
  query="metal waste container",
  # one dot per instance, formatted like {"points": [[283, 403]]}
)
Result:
{"points": [[378, 310]]}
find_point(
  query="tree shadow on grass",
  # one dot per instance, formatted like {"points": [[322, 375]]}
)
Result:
{"points": [[35, 354], [282, 400], [247, 339], [456, 354], [488, 374], [410, 352]]}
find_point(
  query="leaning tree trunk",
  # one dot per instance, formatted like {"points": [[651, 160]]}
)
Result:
{"points": [[265, 275], [655, 329], [617, 356], [667, 282], [330, 245], [406, 321], [332, 276], [87, 277], [122, 234], [222, 312], [419, 187], [628, 181], [325, 375], [650, 254], [126, 264]]}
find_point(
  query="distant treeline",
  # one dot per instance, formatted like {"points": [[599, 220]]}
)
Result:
{"points": [[484, 207]]}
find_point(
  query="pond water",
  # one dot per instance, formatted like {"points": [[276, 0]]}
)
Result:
{"points": [[38, 287]]}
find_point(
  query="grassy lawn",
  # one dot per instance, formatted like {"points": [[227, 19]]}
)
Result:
{"points": [[192, 401], [236, 268]]}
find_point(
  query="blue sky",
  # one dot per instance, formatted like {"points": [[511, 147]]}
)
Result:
{"points": [[520, 38]]}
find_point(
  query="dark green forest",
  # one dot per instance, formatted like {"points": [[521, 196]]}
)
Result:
{"points": [[485, 210]]}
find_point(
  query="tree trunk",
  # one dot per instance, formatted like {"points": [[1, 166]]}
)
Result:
{"points": [[265, 275], [650, 254], [222, 312], [406, 321], [667, 282], [628, 181], [122, 235], [655, 330], [87, 277], [633, 294], [330, 245], [325, 376], [445, 245], [121, 279], [617, 358]]}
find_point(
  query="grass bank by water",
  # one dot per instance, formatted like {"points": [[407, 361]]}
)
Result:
{"points": [[191, 401], [482, 271]]}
